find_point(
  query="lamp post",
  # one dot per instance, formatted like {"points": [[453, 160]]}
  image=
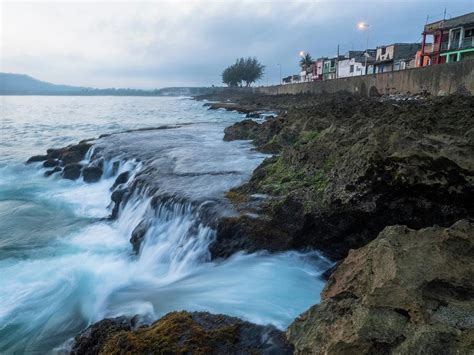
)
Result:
{"points": [[280, 72], [362, 26]]}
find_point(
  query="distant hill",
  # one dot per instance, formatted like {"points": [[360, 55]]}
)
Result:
{"points": [[21, 84]]}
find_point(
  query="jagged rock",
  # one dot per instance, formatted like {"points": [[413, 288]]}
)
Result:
{"points": [[246, 129], [138, 235], [52, 171], [183, 333], [91, 340], [351, 166], [406, 292], [63, 156], [51, 163], [92, 174], [36, 158], [69, 157], [117, 197], [72, 171], [121, 179]]}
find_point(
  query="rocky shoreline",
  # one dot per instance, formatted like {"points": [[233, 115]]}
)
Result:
{"points": [[345, 167], [385, 187]]}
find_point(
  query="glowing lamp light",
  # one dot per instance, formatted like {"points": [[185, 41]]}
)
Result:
{"points": [[302, 53], [362, 25]]}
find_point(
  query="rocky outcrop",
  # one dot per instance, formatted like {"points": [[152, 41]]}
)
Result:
{"points": [[246, 129], [407, 292], [349, 166], [182, 333], [67, 160], [92, 339], [92, 173], [72, 171]]}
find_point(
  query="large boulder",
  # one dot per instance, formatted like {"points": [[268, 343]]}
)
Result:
{"points": [[92, 173], [72, 171], [36, 158], [182, 333], [406, 292], [246, 129]]}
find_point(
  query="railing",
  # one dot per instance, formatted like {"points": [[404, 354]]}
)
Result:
{"points": [[467, 43]]}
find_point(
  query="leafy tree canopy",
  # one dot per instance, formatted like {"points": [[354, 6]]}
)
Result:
{"points": [[306, 61], [244, 70]]}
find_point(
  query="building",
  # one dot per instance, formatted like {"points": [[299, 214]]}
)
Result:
{"points": [[354, 63], [397, 56], [453, 40], [330, 67], [422, 60], [292, 79], [318, 68], [306, 73]]}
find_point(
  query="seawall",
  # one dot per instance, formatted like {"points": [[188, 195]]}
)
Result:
{"points": [[437, 80]]}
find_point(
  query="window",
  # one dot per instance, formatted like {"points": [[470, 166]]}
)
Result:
{"points": [[351, 69], [383, 50]]}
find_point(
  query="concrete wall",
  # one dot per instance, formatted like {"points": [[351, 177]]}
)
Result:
{"points": [[437, 80]]}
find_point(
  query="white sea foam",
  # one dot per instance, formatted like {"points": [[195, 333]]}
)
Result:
{"points": [[71, 266]]}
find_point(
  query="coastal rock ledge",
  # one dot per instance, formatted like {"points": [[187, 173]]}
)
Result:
{"points": [[181, 333], [407, 292]]}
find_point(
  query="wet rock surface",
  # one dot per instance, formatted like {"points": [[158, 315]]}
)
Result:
{"points": [[182, 333], [92, 174], [72, 171], [65, 159], [92, 339], [407, 292], [347, 166]]}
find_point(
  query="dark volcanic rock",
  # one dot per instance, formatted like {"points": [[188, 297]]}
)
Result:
{"points": [[350, 166], [406, 292], [246, 129], [51, 163], [183, 333], [121, 179], [92, 173], [72, 171], [52, 171], [117, 198], [138, 235], [69, 157], [63, 156], [91, 340], [36, 158]]}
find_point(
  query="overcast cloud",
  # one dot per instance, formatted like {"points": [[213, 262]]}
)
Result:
{"points": [[189, 43]]}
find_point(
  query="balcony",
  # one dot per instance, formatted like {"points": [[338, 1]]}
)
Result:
{"points": [[467, 43], [455, 45]]}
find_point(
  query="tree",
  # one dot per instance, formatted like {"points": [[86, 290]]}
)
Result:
{"points": [[247, 70], [306, 61]]}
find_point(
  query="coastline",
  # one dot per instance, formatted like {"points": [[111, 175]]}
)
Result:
{"points": [[340, 186]]}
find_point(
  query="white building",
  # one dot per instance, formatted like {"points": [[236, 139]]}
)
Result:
{"points": [[353, 63]]}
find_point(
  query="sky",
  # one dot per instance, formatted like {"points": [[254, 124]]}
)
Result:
{"points": [[189, 42]]}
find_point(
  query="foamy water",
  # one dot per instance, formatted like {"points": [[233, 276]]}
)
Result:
{"points": [[63, 266]]}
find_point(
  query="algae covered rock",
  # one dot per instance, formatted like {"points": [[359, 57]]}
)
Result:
{"points": [[183, 333], [355, 165], [406, 292]]}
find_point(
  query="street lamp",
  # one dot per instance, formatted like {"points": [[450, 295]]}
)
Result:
{"points": [[363, 26]]}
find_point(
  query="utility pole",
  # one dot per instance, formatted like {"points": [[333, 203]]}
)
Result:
{"points": [[337, 60]]}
